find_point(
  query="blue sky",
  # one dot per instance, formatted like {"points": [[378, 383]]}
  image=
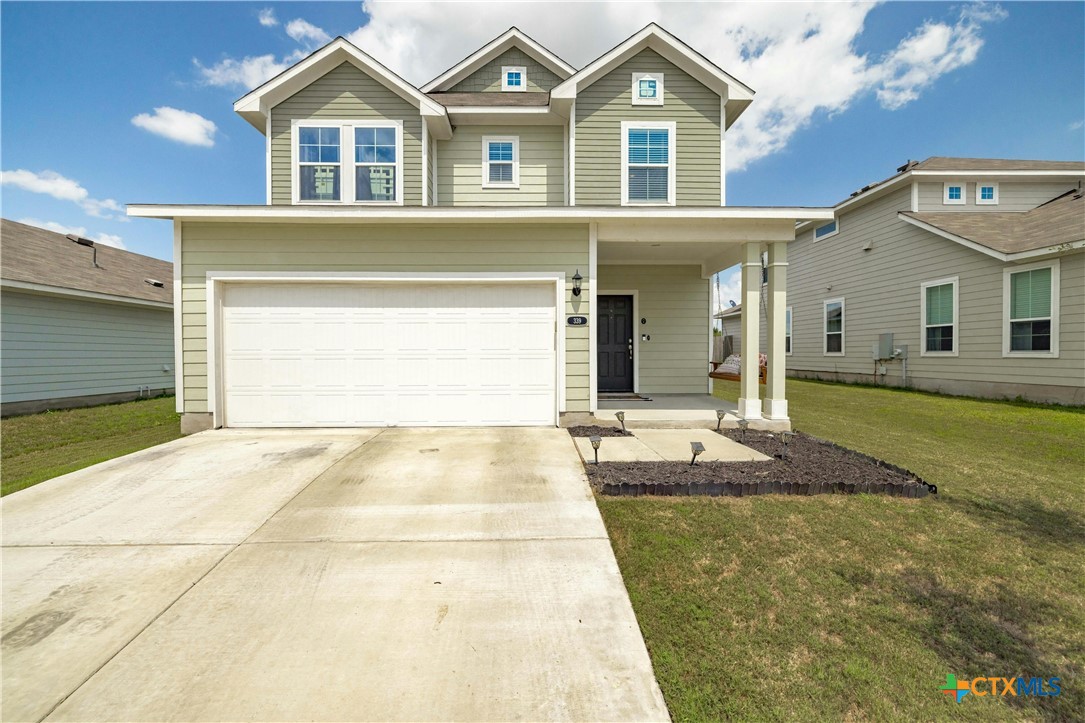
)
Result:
{"points": [[846, 92]]}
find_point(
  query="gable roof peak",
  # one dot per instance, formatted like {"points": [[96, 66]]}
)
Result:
{"points": [[513, 37]]}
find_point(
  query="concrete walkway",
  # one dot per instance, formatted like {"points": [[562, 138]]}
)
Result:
{"points": [[671, 445], [403, 574]]}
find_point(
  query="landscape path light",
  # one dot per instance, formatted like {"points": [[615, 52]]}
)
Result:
{"points": [[595, 442], [785, 437], [621, 418], [720, 414], [743, 424], [696, 448]]}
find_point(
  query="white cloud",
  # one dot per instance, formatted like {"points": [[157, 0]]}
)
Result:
{"points": [[102, 238], [267, 18], [800, 57], [730, 288], [1076, 125], [306, 33], [53, 184], [178, 125]]}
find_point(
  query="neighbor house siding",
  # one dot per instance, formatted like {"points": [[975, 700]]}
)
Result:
{"points": [[487, 79], [673, 301], [345, 93], [55, 348], [1012, 196], [881, 288], [321, 247], [542, 167], [600, 110]]}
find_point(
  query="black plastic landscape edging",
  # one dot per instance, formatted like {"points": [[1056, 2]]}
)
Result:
{"points": [[910, 490]]}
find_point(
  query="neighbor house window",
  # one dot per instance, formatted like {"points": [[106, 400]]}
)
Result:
{"points": [[648, 172], [787, 331], [834, 326], [500, 162], [647, 88], [376, 160], [826, 230], [987, 194], [1031, 305], [938, 309], [953, 194], [319, 167], [514, 78]]}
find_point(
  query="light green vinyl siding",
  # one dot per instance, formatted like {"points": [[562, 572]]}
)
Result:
{"points": [[345, 93], [542, 167], [54, 347], [1012, 196], [600, 110], [673, 301], [335, 247], [487, 79]]}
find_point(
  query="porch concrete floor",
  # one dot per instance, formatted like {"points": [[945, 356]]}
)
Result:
{"points": [[679, 411]]}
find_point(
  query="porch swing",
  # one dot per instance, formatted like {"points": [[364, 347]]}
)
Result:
{"points": [[730, 369]]}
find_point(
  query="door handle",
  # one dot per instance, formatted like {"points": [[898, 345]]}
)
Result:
{"points": [[630, 348]]}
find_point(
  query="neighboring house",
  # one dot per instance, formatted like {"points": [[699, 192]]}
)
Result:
{"points": [[976, 266], [728, 333], [503, 246], [80, 323]]}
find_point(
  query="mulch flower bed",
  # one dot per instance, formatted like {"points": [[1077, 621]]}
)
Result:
{"points": [[812, 467], [597, 431]]}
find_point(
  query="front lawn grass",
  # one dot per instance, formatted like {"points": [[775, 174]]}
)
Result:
{"points": [[857, 606], [41, 446]]}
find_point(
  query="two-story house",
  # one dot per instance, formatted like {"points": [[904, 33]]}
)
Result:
{"points": [[505, 245], [974, 266]]}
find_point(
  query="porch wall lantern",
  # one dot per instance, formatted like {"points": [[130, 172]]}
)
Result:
{"points": [[577, 278]]}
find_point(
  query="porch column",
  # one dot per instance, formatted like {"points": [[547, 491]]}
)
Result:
{"points": [[775, 399], [749, 404]]}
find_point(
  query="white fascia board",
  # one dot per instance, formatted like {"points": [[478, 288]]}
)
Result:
{"points": [[415, 214], [1018, 256], [512, 37], [48, 290], [253, 106], [738, 94]]}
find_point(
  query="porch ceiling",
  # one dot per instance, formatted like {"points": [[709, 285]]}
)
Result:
{"points": [[710, 256]]}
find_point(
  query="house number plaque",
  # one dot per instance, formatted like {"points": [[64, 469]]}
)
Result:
{"points": [[578, 321]]}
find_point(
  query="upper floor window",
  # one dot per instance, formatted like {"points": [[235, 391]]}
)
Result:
{"points": [[987, 194], [324, 154], [647, 88], [319, 167], [648, 171], [1031, 303], [938, 309], [953, 194], [834, 327], [513, 78], [826, 230], [500, 162]]}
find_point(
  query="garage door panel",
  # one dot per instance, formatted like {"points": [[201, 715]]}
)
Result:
{"points": [[388, 354]]}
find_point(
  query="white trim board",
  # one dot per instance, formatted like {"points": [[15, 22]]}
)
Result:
{"points": [[178, 319]]}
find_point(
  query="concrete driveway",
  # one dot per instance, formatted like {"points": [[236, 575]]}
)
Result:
{"points": [[401, 574]]}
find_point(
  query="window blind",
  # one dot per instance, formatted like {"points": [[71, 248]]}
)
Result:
{"points": [[940, 305], [1030, 294]]}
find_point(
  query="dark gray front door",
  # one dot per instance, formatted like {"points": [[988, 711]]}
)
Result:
{"points": [[615, 343]]}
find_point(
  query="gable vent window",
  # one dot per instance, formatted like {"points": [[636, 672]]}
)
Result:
{"points": [[647, 88], [319, 169], [514, 78], [648, 172], [500, 162]]}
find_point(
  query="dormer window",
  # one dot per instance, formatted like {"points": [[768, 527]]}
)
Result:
{"points": [[319, 169], [348, 162], [953, 194], [513, 78], [647, 88]]}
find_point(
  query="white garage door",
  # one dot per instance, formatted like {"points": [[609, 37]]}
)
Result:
{"points": [[387, 354]]}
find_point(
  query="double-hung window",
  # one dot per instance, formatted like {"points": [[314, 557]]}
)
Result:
{"points": [[348, 161], [319, 169], [938, 308], [376, 156], [500, 162], [834, 327], [648, 169], [1032, 310]]}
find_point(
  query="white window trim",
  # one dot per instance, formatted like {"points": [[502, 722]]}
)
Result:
{"points": [[923, 317], [1054, 266], [346, 167], [825, 327], [672, 161], [505, 70], [947, 201], [486, 182], [658, 78], [789, 336], [828, 235], [982, 202]]}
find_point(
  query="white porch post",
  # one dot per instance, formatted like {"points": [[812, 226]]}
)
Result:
{"points": [[749, 404], [775, 398]]}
